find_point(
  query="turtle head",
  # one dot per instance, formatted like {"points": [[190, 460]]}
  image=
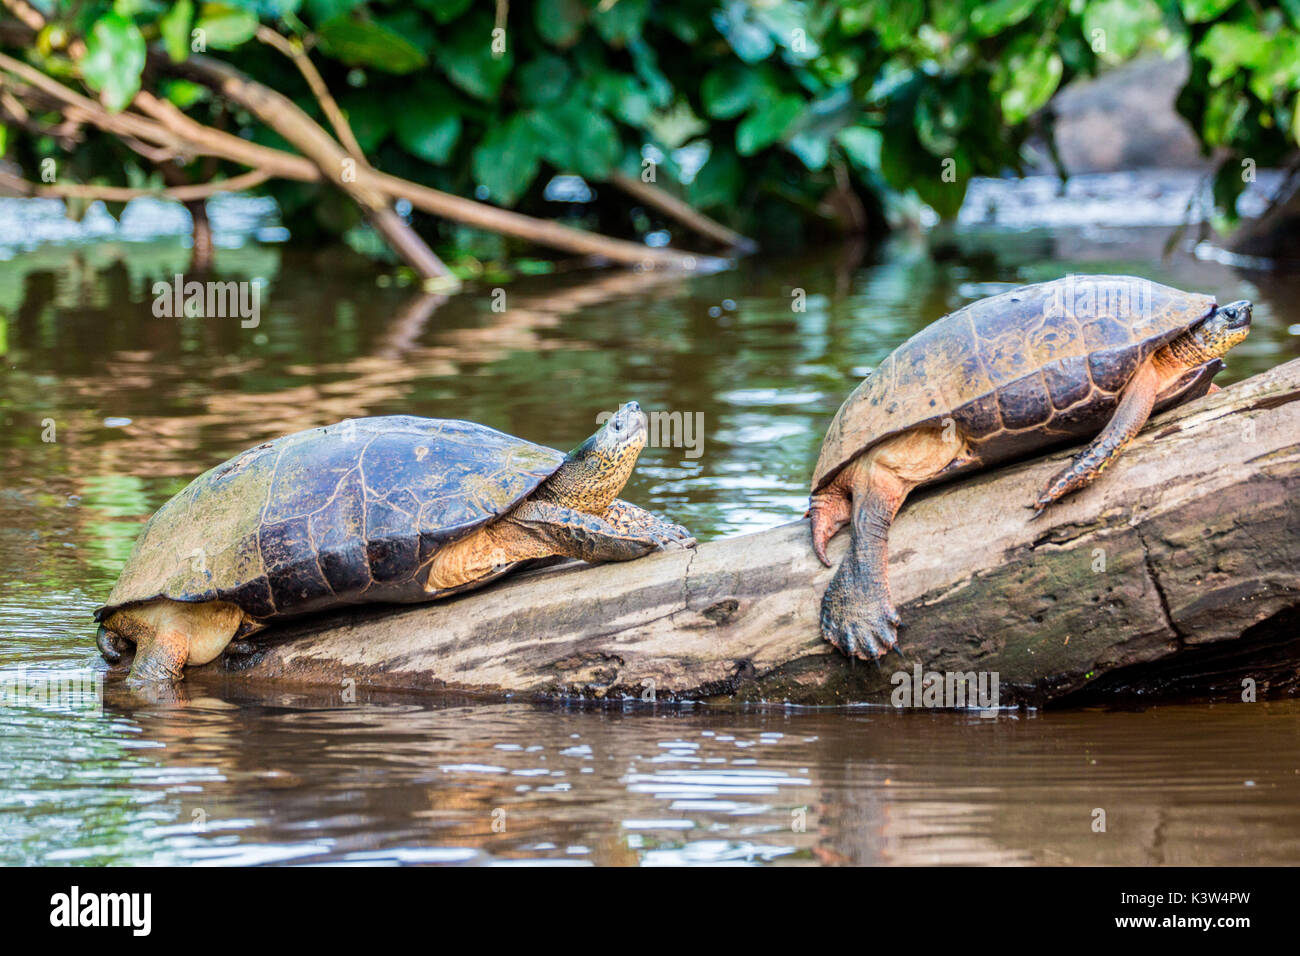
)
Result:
{"points": [[1224, 328], [595, 472]]}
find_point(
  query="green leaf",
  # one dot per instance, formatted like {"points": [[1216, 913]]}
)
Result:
{"points": [[444, 11], [1203, 11], [620, 21], [543, 79], [506, 161], [812, 148], [646, 65], [990, 18], [729, 90], [1027, 76], [429, 128], [767, 123], [862, 145], [1124, 24], [468, 61], [370, 114], [321, 11], [621, 96], [224, 27], [560, 22], [362, 43], [1231, 46], [718, 182], [115, 55], [174, 25], [576, 139], [750, 39], [895, 23], [182, 93]]}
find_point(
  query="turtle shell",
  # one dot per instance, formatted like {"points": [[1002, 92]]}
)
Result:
{"points": [[1019, 372], [347, 513]]}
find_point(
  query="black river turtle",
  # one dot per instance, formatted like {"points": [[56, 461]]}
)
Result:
{"points": [[392, 509], [1084, 357]]}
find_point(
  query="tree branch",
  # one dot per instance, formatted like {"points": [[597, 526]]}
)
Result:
{"points": [[683, 212], [17, 186], [383, 218], [164, 125]]}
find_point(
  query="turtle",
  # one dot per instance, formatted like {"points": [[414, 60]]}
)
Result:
{"points": [[393, 509], [1085, 357]]}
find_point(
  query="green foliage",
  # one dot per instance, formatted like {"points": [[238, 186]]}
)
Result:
{"points": [[115, 55], [781, 102], [365, 43], [224, 27], [1243, 96]]}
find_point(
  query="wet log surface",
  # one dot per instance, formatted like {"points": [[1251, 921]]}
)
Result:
{"points": [[1177, 571]]}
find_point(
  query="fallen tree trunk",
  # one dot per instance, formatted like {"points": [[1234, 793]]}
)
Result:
{"points": [[1188, 547]]}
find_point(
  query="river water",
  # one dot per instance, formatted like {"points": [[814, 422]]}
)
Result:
{"points": [[107, 411]]}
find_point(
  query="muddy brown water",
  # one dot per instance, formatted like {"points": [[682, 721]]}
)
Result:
{"points": [[229, 773]]}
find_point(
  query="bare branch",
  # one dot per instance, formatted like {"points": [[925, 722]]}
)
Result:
{"points": [[318, 88], [17, 186]]}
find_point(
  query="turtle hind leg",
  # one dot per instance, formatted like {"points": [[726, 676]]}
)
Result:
{"points": [[1131, 414], [857, 612]]}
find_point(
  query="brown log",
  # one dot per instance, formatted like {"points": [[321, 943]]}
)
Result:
{"points": [[1177, 569]]}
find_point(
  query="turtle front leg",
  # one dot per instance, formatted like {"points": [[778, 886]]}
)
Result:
{"points": [[168, 635], [629, 518], [1130, 415], [577, 534], [160, 658]]}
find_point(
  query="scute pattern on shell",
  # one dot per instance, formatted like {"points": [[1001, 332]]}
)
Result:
{"points": [[1020, 371], [346, 513]]}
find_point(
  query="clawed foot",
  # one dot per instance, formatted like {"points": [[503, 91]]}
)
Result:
{"points": [[868, 632], [857, 615], [668, 536]]}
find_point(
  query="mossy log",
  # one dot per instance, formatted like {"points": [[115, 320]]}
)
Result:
{"points": [[1178, 570]]}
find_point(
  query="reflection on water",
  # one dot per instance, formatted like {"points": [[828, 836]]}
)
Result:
{"points": [[236, 777], [107, 411]]}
